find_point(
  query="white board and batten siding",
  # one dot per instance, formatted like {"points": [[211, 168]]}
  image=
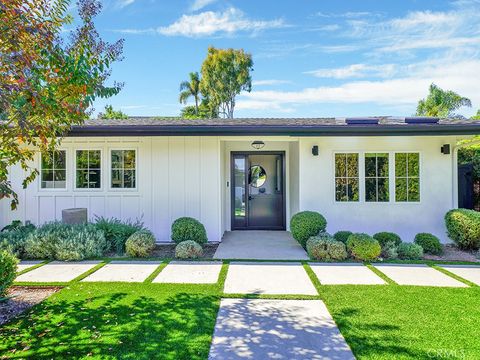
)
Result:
{"points": [[176, 176]]}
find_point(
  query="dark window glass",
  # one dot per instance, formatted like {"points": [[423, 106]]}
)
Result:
{"points": [[407, 177], [376, 177], [88, 169], [346, 177], [123, 169], [53, 174]]}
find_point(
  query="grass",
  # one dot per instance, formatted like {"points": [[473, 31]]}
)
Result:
{"points": [[169, 321], [406, 322]]}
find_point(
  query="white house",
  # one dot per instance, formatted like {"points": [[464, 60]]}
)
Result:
{"points": [[368, 175]]}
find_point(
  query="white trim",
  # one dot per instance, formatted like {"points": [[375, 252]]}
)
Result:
{"points": [[109, 176]]}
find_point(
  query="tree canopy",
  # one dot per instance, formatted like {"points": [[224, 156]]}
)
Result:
{"points": [[47, 83], [111, 113], [225, 73], [441, 103]]}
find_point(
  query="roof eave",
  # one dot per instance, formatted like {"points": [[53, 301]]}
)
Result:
{"points": [[305, 130]]}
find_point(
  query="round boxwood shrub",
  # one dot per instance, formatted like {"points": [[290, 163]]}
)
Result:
{"points": [[410, 251], [429, 242], [389, 250], [187, 228], [306, 224], [363, 247], [188, 249], [342, 236], [140, 244], [463, 227], [325, 247], [384, 237], [8, 270]]}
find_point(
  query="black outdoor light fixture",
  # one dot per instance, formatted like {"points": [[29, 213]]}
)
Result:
{"points": [[257, 144], [315, 150], [445, 149]]}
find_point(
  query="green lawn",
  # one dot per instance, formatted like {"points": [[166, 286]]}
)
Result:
{"points": [[162, 321]]}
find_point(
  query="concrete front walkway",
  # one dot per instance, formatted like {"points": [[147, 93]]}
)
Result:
{"points": [[276, 329], [260, 245]]}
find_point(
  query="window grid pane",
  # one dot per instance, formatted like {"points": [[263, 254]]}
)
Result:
{"points": [[346, 177], [376, 177], [123, 171], [53, 174], [88, 169], [407, 180]]}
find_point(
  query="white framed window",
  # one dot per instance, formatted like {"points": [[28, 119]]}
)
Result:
{"points": [[407, 177], [377, 177], [53, 170], [88, 169], [123, 173], [346, 177]]}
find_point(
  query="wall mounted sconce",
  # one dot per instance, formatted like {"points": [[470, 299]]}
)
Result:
{"points": [[445, 149], [315, 150], [257, 144]]}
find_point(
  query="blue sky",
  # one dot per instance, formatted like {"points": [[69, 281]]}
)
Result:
{"points": [[311, 58]]}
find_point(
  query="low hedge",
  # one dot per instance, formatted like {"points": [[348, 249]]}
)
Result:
{"points": [[342, 236], [140, 244], [59, 241], [188, 249], [13, 237], [306, 224], [363, 247], [117, 231], [389, 250], [410, 251], [325, 247], [187, 228], [385, 237], [429, 242], [463, 227], [8, 270]]}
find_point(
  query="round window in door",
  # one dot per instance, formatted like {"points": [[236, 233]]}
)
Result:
{"points": [[257, 176]]}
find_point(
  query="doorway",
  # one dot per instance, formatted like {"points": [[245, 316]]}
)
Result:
{"points": [[258, 190]]}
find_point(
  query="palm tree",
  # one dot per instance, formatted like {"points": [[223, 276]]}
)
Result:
{"points": [[441, 103], [190, 88]]}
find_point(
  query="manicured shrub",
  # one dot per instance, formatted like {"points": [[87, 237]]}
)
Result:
{"points": [[363, 247], [188, 249], [342, 236], [13, 237], [187, 228], [384, 237], [463, 227], [117, 231], [410, 251], [429, 242], [140, 244], [306, 224], [325, 247], [8, 270], [389, 250], [65, 242]]}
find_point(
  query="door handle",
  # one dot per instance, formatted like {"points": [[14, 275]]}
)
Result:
{"points": [[250, 197]]}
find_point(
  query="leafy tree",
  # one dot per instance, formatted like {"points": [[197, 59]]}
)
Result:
{"points": [[205, 111], [190, 88], [110, 113], [476, 116], [225, 73], [441, 103], [47, 84]]}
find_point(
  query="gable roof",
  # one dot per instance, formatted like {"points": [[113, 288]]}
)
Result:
{"points": [[380, 126]]}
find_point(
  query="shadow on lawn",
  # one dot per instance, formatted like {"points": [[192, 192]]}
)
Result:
{"points": [[110, 326], [364, 345]]}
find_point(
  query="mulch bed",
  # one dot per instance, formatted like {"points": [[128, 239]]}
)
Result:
{"points": [[168, 250], [21, 298], [452, 253]]}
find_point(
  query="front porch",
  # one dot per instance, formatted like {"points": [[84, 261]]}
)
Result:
{"points": [[260, 245]]}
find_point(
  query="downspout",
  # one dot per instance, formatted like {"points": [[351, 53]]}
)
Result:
{"points": [[455, 170]]}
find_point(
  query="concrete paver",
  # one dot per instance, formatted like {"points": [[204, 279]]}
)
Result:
{"points": [[468, 272], [124, 271], [201, 272], [27, 264], [58, 271], [345, 274]]}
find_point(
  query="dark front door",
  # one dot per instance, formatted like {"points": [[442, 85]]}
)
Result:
{"points": [[258, 191]]}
